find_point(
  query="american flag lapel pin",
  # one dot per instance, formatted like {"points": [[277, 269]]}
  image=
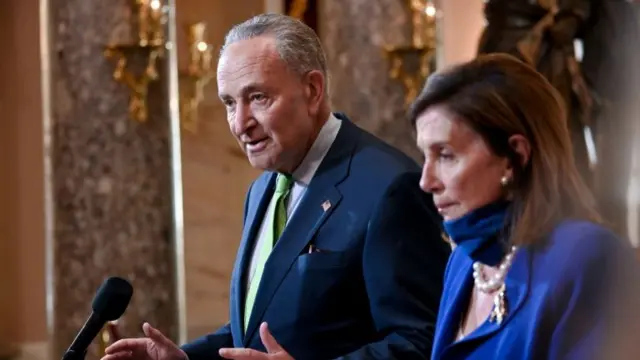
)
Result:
{"points": [[326, 205]]}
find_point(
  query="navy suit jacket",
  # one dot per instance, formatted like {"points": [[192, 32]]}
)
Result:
{"points": [[372, 287], [570, 299]]}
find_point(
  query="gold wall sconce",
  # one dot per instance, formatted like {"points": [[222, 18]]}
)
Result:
{"points": [[151, 42], [298, 8], [196, 77], [108, 335], [411, 64]]}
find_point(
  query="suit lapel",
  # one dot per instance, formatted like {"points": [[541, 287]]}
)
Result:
{"points": [[319, 201], [461, 283], [258, 202]]}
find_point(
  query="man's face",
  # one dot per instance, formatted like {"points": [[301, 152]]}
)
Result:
{"points": [[270, 109]]}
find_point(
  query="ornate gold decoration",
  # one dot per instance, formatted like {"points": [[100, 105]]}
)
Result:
{"points": [[151, 15], [197, 75], [108, 335], [411, 64], [298, 8]]}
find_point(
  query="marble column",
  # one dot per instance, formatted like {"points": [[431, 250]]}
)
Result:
{"points": [[110, 182], [354, 33]]}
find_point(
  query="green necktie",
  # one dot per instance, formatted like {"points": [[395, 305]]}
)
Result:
{"points": [[276, 219]]}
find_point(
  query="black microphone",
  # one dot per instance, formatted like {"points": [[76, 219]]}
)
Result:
{"points": [[110, 302]]}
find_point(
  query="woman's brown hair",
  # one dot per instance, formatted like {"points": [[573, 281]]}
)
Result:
{"points": [[500, 96]]}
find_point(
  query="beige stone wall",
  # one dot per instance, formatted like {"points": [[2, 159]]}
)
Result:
{"points": [[215, 175]]}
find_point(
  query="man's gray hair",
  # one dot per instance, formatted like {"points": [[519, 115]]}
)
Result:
{"points": [[297, 44]]}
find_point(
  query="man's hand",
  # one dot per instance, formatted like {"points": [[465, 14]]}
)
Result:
{"points": [[154, 346], [274, 350]]}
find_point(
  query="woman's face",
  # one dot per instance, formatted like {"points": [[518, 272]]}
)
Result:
{"points": [[459, 169]]}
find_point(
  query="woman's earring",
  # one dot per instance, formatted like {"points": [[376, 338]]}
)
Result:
{"points": [[504, 181]]}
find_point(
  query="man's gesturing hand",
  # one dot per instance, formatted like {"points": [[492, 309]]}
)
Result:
{"points": [[154, 346], [274, 350]]}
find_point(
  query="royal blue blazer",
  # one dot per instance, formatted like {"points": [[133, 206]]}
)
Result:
{"points": [[561, 299]]}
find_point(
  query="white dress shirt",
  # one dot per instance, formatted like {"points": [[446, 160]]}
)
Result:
{"points": [[302, 178]]}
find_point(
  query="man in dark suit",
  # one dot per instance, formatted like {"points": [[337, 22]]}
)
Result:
{"points": [[341, 251]]}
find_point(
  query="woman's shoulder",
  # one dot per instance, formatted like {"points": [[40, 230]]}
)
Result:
{"points": [[583, 237], [581, 228], [574, 246]]}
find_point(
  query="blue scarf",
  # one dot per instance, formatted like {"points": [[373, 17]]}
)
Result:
{"points": [[478, 233]]}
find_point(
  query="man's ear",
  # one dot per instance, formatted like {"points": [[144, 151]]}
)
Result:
{"points": [[314, 90]]}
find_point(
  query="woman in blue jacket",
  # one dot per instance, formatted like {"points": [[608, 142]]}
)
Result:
{"points": [[534, 274]]}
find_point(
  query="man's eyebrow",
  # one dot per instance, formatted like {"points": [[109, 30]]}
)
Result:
{"points": [[250, 88]]}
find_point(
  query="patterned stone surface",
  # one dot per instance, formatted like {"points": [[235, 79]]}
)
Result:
{"points": [[354, 33], [111, 181]]}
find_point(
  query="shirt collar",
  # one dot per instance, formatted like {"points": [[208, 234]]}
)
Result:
{"points": [[309, 165]]}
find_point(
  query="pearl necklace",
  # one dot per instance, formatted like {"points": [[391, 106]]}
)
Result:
{"points": [[495, 281]]}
